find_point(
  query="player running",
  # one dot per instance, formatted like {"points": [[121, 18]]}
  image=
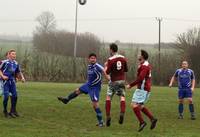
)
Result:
{"points": [[116, 66], [91, 87], [9, 70], [142, 92], [186, 84]]}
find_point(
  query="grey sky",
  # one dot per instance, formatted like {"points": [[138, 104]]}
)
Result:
{"points": [[132, 20]]}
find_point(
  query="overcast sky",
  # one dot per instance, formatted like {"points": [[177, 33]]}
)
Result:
{"points": [[123, 20]]}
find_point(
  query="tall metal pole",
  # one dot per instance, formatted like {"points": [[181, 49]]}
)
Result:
{"points": [[159, 42], [159, 45], [75, 43], [75, 37]]}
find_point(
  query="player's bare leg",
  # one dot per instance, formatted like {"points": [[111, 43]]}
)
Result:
{"points": [[191, 108], [71, 96], [181, 108], [122, 108], [108, 107], [137, 110], [98, 113]]}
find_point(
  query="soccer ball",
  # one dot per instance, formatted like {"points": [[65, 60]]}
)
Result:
{"points": [[82, 2]]}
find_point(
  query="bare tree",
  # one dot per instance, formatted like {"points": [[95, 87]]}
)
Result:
{"points": [[47, 22], [188, 45]]}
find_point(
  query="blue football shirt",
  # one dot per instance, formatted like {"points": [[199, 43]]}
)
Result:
{"points": [[10, 68], [94, 74], [184, 77]]}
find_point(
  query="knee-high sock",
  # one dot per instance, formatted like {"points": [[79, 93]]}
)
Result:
{"points": [[72, 96], [147, 113], [5, 102], [122, 107], [180, 108], [13, 104], [191, 108], [138, 114], [108, 107], [99, 115]]}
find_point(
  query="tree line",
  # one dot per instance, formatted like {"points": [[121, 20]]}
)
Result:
{"points": [[51, 58]]}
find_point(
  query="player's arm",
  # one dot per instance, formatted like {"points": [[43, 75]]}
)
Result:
{"points": [[106, 75], [125, 66], [173, 78], [104, 71], [1, 73], [107, 67], [193, 85], [171, 81], [21, 77], [193, 81], [19, 74], [3, 76], [139, 79]]}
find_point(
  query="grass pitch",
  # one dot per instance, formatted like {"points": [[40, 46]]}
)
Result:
{"points": [[43, 116]]}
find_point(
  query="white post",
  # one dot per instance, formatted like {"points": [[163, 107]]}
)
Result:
{"points": [[75, 37]]}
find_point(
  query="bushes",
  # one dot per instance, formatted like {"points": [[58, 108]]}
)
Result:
{"points": [[170, 61], [47, 67], [42, 66]]}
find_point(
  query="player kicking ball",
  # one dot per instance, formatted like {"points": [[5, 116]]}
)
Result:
{"points": [[142, 92], [91, 87], [186, 84]]}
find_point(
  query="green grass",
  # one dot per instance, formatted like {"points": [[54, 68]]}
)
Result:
{"points": [[43, 116]]}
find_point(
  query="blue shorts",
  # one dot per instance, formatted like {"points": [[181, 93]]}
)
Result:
{"points": [[140, 96], [184, 93], [93, 91], [9, 88]]}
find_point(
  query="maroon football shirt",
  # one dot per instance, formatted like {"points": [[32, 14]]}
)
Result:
{"points": [[116, 67], [143, 80]]}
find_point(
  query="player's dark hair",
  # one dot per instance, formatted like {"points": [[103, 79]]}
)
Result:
{"points": [[92, 54], [144, 54], [114, 47]]}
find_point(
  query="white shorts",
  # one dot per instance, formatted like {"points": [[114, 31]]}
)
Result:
{"points": [[140, 96]]}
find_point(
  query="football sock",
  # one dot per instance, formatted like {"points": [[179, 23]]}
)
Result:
{"points": [[72, 96], [108, 107], [5, 102], [180, 108], [13, 104], [138, 114], [147, 113], [123, 107], [99, 115], [191, 108]]}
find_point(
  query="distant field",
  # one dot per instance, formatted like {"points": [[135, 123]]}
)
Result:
{"points": [[4, 46], [43, 116], [18, 46]]}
